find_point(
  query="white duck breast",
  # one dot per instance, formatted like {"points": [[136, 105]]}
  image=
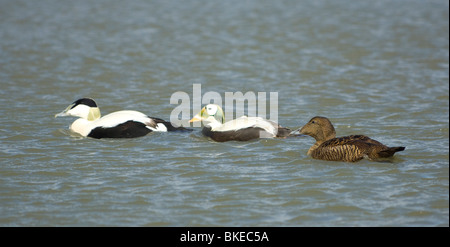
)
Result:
{"points": [[120, 124]]}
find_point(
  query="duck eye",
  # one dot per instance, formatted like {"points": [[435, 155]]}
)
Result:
{"points": [[313, 121]]}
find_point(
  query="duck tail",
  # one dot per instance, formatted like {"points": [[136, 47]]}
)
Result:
{"points": [[169, 126], [283, 132], [390, 151]]}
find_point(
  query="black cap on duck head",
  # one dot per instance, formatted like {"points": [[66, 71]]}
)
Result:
{"points": [[320, 128], [85, 101]]}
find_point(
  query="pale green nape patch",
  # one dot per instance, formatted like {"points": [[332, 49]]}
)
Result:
{"points": [[94, 114], [220, 116]]}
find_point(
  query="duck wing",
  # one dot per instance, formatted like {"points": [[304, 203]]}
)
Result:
{"points": [[349, 140], [353, 148], [348, 148], [245, 122], [120, 117], [360, 138]]}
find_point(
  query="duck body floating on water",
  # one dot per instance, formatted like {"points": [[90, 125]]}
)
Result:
{"points": [[240, 129], [120, 124], [348, 148]]}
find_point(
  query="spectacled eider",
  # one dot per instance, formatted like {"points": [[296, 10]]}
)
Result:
{"points": [[120, 124], [348, 148], [240, 129]]}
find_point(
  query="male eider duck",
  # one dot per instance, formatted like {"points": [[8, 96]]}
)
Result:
{"points": [[348, 148], [120, 124], [240, 129]]}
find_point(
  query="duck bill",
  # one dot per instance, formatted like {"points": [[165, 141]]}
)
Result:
{"points": [[61, 114], [297, 132], [64, 113], [196, 118]]}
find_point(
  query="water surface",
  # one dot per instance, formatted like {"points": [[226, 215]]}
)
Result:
{"points": [[379, 68]]}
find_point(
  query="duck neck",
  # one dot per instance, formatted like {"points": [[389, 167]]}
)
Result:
{"points": [[94, 114], [313, 147], [325, 135], [212, 122], [321, 138]]}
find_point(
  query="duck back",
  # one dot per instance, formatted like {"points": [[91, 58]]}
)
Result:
{"points": [[352, 148]]}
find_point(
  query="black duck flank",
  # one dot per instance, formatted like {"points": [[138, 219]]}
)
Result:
{"points": [[348, 148]]}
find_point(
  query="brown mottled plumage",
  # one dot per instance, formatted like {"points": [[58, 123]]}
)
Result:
{"points": [[348, 148]]}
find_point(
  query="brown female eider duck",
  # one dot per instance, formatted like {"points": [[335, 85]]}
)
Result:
{"points": [[240, 129], [348, 148], [120, 124]]}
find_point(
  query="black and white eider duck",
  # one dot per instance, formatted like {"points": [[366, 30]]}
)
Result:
{"points": [[240, 129], [120, 124], [348, 148]]}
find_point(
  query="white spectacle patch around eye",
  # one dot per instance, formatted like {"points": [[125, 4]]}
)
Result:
{"points": [[211, 110]]}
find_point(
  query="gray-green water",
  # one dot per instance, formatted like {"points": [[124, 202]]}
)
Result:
{"points": [[379, 68]]}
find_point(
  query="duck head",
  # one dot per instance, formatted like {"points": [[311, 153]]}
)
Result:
{"points": [[85, 108], [320, 128], [210, 114]]}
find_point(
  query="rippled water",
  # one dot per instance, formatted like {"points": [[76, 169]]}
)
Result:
{"points": [[379, 68]]}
